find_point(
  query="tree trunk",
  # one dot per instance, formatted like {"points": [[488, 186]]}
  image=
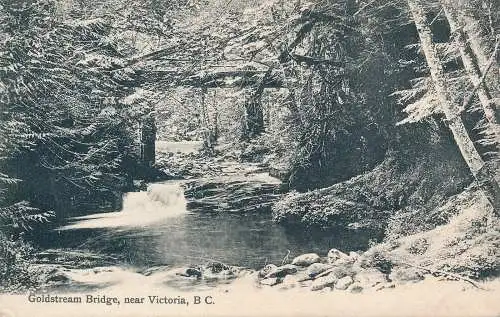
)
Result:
{"points": [[451, 112], [473, 30], [214, 127], [254, 120], [205, 124], [474, 71]]}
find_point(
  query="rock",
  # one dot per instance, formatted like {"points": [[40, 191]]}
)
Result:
{"points": [[58, 277], [230, 194], [217, 267], [154, 269], [334, 254], [105, 269], [340, 271], [406, 275], [339, 258], [355, 288], [282, 271], [266, 269], [240, 271], [189, 272], [140, 184], [382, 286], [344, 283], [193, 272], [223, 275], [317, 268], [269, 281], [370, 277], [354, 255], [306, 259], [324, 281]]}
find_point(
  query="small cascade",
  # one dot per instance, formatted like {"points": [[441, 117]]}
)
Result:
{"points": [[169, 194], [160, 201]]}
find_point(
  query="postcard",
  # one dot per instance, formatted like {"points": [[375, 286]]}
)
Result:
{"points": [[249, 158]]}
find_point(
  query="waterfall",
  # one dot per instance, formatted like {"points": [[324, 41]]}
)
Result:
{"points": [[160, 201]]}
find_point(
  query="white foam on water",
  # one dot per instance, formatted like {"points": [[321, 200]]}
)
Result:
{"points": [[163, 200]]}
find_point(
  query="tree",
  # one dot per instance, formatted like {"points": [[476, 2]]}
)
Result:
{"points": [[63, 99], [469, 153], [473, 70]]}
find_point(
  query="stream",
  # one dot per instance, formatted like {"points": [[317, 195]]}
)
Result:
{"points": [[155, 228]]}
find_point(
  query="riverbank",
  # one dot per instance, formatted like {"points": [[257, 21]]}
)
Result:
{"points": [[244, 295], [356, 272]]}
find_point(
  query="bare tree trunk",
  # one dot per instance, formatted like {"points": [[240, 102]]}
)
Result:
{"points": [[474, 71], [451, 111]]}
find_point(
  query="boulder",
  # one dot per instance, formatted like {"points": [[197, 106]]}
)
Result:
{"points": [[306, 259], [270, 281], [282, 271], [189, 272], [334, 254], [193, 272], [302, 276], [339, 258], [324, 281], [370, 277], [339, 272], [217, 267], [266, 269], [317, 268], [344, 283], [58, 277]]}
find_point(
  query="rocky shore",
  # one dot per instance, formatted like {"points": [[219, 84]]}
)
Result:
{"points": [[337, 271]]}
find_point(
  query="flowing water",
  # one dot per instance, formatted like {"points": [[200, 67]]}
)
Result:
{"points": [[155, 228]]}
